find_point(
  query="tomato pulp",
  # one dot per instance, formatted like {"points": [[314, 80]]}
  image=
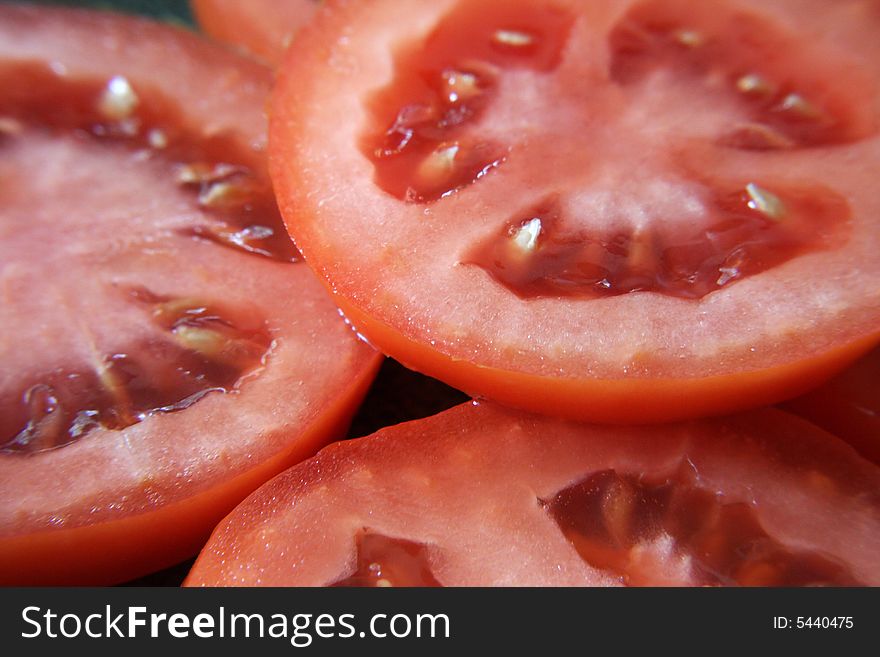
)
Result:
{"points": [[150, 377], [480, 495], [614, 211]]}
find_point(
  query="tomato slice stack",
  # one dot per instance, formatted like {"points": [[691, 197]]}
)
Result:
{"points": [[165, 350], [620, 212], [613, 219]]}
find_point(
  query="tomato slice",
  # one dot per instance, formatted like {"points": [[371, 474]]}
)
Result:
{"points": [[615, 211], [151, 378], [848, 406], [263, 28], [480, 495]]}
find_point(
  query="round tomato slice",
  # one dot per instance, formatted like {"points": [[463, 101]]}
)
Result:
{"points": [[261, 27], [164, 348], [480, 496], [616, 211], [848, 406]]}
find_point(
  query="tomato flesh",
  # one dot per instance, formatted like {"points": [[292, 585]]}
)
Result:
{"points": [[150, 379], [480, 495], [653, 211]]}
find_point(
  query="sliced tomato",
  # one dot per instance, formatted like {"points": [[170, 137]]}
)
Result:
{"points": [[480, 496], [164, 348], [848, 406], [261, 27], [616, 211]]}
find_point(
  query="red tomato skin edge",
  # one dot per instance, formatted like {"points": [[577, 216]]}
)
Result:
{"points": [[114, 552], [608, 401]]}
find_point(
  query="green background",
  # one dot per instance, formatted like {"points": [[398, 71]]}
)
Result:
{"points": [[174, 10]]}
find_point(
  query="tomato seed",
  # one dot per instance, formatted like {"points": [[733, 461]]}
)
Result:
{"points": [[513, 38], [118, 101]]}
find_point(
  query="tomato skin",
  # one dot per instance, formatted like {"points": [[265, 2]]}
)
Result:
{"points": [[263, 28], [848, 406], [473, 486], [639, 401], [146, 497], [635, 358]]}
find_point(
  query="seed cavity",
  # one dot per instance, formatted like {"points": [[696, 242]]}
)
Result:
{"points": [[44, 422], [198, 348], [383, 561], [225, 180], [611, 519], [422, 139], [118, 100]]}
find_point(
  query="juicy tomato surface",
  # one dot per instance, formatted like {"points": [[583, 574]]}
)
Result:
{"points": [[261, 27], [480, 495], [848, 406], [151, 378], [617, 211]]}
